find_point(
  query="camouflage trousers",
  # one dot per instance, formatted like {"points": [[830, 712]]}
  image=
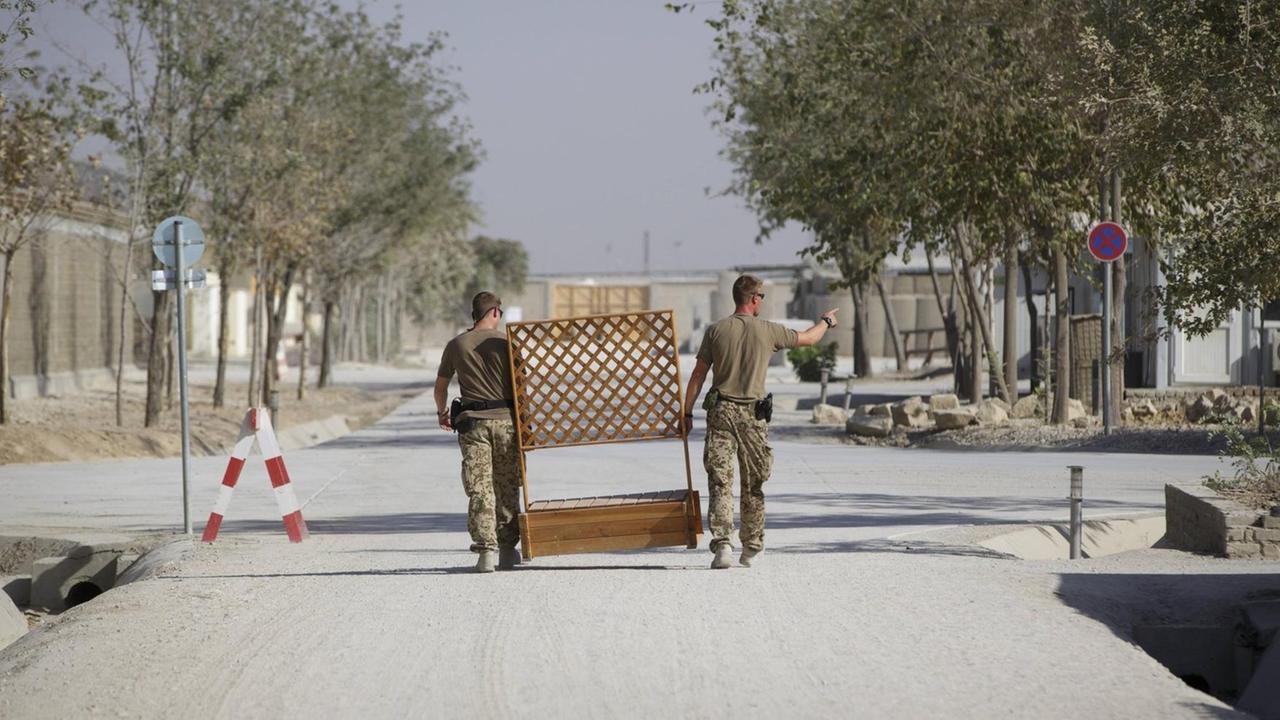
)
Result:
{"points": [[492, 483], [734, 435]]}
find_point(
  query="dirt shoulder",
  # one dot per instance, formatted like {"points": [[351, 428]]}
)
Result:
{"points": [[83, 426]]}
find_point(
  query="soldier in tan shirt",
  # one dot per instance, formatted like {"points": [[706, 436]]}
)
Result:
{"points": [[737, 351], [486, 433]]}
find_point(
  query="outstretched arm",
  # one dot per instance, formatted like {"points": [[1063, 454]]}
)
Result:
{"points": [[814, 334], [691, 393]]}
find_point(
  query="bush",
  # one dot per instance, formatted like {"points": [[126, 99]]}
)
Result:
{"points": [[1256, 481], [809, 362]]}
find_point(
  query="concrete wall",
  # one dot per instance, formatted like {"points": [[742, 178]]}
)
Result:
{"points": [[1199, 520], [64, 331]]}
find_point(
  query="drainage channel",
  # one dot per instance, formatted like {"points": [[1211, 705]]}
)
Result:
{"points": [[43, 575]]}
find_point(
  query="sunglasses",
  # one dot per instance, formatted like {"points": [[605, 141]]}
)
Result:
{"points": [[760, 295]]}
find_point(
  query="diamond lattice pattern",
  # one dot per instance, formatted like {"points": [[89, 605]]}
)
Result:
{"points": [[605, 378]]}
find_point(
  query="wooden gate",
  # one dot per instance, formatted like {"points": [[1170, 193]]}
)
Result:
{"points": [[593, 380]]}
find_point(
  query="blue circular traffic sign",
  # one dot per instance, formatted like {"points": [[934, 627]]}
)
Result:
{"points": [[1108, 241]]}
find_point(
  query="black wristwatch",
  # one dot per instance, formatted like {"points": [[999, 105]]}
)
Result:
{"points": [[830, 323]]}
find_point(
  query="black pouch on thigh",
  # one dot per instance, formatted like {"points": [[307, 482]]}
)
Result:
{"points": [[764, 408], [465, 425]]}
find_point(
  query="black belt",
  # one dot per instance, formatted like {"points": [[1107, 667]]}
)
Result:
{"points": [[477, 405]]}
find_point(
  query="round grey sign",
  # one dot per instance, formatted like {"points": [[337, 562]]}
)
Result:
{"points": [[164, 240]]}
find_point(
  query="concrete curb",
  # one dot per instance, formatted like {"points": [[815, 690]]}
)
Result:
{"points": [[305, 435], [1099, 538]]}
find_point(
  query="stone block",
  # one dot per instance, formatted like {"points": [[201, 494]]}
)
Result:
{"points": [[1000, 403], [1144, 410], [829, 415], [1271, 522], [1199, 409], [881, 410], [13, 624], [52, 579], [869, 425], [1026, 408], [911, 412], [1271, 551], [944, 401], [1075, 409], [1267, 535], [991, 413], [953, 419], [1243, 550]]}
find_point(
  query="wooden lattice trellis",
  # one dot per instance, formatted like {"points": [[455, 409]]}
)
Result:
{"points": [[593, 380]]}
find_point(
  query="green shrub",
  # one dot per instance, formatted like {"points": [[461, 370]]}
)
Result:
{"points": [[809, 362], [1256, 480]]}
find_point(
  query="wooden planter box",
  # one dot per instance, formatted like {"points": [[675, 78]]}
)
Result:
{"points": [[611, 522], [596, 380]]}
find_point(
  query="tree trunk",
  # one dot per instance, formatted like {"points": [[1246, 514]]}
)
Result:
{"points": [[302, 344], [892, 321], [1011, 318], [326, 346], [6, 311], [225, 271], [156, 355], [124, 310], [256, 344], [277, 302], [1034, 317], [1062, 342], [1119, 284], [981, 319], [861, 355]]}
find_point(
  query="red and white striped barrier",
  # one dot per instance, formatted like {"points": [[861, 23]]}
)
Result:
{"points": [[257, 425]]}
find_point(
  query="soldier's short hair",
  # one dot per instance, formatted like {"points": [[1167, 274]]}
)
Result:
{"points": [[745, 287], [482, 303]]}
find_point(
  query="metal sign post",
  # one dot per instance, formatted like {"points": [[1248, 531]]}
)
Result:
{"points": [[1107, 243], [179, 242]]}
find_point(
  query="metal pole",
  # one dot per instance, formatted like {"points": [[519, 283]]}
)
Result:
{"points": [[1106, 348], [848, 392], [182, 376], [824, 375], [1077, 499], [1262, 374]]}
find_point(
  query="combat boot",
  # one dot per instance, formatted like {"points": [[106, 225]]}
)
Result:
{"points": [[508, 557], [723, 558], [748, 555], [486, 562]]}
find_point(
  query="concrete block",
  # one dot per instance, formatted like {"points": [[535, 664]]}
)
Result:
{"points": [[1271, 551], [869, 426], [53, 579], [944, 401], [17, 587], [1271, 522], [1243, 550], [1039, 542], [13, 624], [953, 419], [829, 415]]}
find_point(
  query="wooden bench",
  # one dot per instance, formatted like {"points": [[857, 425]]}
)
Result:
{"points": [[594, 380], [928, 350]]}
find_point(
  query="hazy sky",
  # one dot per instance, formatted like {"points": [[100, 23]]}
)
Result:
{"points": [[591, 130]]}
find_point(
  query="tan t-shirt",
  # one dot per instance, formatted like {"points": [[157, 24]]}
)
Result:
{"points": [[738, 348], [480, 359]]}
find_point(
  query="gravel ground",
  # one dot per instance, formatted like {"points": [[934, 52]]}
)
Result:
{"points": [[852, 611]]}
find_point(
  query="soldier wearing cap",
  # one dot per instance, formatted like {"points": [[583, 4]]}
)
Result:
{"points": [[486, 434], [737, 351]]}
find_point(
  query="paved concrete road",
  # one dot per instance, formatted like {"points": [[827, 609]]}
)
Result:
{"points": [[376, 615]]}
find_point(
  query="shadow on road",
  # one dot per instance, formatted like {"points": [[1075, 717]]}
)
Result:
{"points": [[877, 509], [884, 545], [388, 524]]}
